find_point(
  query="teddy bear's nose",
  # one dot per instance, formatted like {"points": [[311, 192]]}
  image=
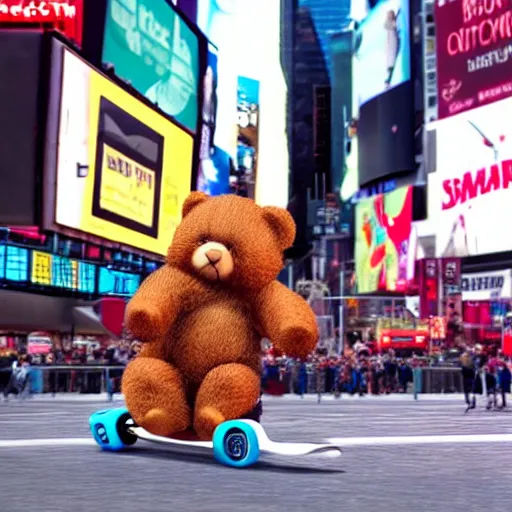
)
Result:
{"points": [[213, 255]]}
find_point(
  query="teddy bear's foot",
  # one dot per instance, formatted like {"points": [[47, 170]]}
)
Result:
{"points": [[155, 396], [228, 392], [158, 422], [206, 421]]}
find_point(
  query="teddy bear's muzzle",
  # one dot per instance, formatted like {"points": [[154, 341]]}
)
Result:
{"points": [[213, 261]]}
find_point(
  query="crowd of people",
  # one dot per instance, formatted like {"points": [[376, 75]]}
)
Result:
{"points": [[353, 374], [358, 371], [15, 366]]}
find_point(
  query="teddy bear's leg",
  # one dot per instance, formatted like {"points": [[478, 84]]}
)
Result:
{"points": [[155, 396], [227, 392]]}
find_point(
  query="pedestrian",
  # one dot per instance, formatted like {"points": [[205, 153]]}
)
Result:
{"points": [[404, 375], [468, 379], [504, 382], [491, 370], [20, 378]]}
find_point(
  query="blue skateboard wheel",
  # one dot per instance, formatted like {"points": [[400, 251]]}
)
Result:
{"points": [[235, 444], [108, 427]]}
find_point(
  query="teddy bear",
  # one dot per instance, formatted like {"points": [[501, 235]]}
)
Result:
{"points": [[202, 315]]}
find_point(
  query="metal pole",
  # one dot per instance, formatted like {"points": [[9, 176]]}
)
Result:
{"points": [[341, 330]]}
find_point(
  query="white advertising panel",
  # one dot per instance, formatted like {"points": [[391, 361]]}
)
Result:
{"points": [[470, 194], [487, 285]]}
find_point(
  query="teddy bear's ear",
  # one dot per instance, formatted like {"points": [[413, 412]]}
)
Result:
{"points": [[282, 224], [193, 199]]}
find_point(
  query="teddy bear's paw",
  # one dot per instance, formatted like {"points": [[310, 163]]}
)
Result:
{"points": [[297, 341], [145, 323], [207, 420], [159, 422]]}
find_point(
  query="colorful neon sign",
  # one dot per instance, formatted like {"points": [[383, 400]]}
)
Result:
{"points": [[16, 10], [51, 270], [18, 264], [63, 15]]}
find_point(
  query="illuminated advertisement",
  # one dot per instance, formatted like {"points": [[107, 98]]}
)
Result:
{"points": [[52, 270], [248, 114], [63, 15], [383, 242], [382, 50], [123, 170], [214, 163], [18, 264], [217, 20], [473, 55], [149, 45], [115, 282], [469, 194], [14, 263]]}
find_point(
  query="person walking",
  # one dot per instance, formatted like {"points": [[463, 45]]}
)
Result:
{"points": [[504, 382], [468, 379]]}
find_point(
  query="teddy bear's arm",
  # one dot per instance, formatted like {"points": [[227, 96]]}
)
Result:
{"points": [[286, 319], [155, 306]]}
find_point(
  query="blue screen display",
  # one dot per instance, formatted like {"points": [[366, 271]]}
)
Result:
{"points": [[13, 263], [114, 282]]}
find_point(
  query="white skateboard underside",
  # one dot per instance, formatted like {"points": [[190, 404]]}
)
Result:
{"points": [[266, 445]]}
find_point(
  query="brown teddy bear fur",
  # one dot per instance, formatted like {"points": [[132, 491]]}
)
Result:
{"points": [[201, 328]]}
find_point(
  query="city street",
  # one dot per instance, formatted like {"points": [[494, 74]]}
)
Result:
{"points": [[419, 467]]}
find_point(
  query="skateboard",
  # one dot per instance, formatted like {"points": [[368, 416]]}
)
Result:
{"points": [[235, 443]]}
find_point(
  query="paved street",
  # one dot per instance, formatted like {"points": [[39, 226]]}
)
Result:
{"points": [[417, 467]]}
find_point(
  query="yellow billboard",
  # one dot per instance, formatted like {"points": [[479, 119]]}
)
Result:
{"points": [[123, 170]]}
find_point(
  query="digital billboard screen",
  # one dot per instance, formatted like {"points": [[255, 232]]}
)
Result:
{"points": [[469, 193], [122, 170], [472, 53], [154, 49], [382, 56], [383, 226], [381, 128], [218, 21]]}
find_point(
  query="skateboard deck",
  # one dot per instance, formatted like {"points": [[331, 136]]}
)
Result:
{"points": [[267, 446]]}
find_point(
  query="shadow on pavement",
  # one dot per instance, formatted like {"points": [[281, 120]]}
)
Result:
{"points": [[267, 466]]}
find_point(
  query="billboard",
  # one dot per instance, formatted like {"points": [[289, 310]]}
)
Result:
{"points": [[214, 164], [472, 51], [122, 170], [217, 20], [43, 269], [382, 50], [383, 249], [469, 195], [153, 48], [381, 127]]}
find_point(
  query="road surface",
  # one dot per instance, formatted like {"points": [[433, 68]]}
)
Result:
{"points": [[433, 458]]}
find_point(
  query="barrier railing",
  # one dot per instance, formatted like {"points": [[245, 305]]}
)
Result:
{"points": [[91, 379]]}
